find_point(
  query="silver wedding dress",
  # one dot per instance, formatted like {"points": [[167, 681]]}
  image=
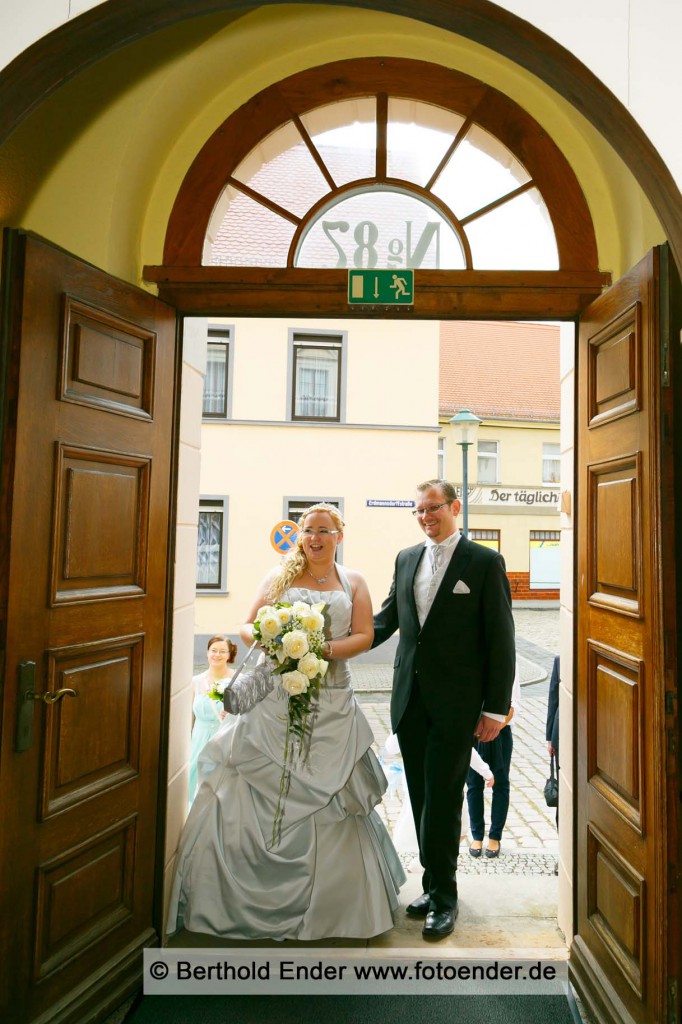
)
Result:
{"points": [[335, 872]]}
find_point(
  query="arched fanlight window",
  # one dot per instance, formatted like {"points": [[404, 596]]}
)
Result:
{"points": [[420, 187], [381, 162]]}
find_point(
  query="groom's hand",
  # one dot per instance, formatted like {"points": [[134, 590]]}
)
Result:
{"points": [[487, 729]]}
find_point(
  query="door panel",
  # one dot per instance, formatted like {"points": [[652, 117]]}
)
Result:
{"points": [[99, 494], [618, 957], [78, 759], [86, 604], [106, 361]]}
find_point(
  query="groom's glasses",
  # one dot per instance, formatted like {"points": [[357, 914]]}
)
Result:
{"points": [[427, 510], [307, 532]]}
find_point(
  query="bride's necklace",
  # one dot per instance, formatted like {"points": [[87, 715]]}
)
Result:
{"points": [[320, 579]]}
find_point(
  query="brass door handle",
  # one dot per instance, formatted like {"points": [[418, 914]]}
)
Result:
{"points": [[50, 698], [26, 680]]}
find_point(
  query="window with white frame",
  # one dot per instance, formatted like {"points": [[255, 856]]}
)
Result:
{"points": [[551, 464], [297, 506], [488, 462], [217, 382], [488, 538], [212, 545], [545, 560], [316, 377], [441, 459]]}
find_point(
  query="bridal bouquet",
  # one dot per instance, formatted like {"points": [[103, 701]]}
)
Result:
{"points": [[217, 690], [293, 635]]}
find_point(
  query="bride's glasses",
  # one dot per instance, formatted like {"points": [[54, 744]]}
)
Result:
{"points": [[308, 532]]}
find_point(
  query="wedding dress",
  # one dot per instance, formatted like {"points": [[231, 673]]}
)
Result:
{"points": [[335, 872]]}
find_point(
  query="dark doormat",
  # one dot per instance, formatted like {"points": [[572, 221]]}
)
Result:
{"points": [[389, 1009]]}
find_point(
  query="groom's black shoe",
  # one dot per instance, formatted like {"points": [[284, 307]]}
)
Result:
{"points": [[420, 906], [439, 923]]}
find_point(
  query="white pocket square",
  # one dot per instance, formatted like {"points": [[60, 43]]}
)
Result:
{"points": [[460, 587]]}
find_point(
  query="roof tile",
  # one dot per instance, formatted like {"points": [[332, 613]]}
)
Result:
{"points": [[500, 370]]}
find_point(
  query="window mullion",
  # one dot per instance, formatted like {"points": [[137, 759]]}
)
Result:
{"points": [[382, 134], [262, 200], [498, 202], [315, 153], [448, 154]]}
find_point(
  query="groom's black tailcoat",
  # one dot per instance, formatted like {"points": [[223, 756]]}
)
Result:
{"points": [[459, 663]]}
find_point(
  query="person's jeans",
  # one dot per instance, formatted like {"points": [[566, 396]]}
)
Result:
{"points": [[498, 755]]}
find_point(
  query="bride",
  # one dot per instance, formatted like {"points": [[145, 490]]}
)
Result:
{"points": [[334, 872]]}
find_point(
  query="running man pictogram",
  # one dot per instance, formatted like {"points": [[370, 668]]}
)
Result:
{"points": [[399, 286]]}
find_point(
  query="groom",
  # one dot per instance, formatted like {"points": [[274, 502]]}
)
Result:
{"points": [[452, 681]]}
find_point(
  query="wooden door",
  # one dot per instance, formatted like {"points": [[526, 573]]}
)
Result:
{"points": [[86, 515], [624, 955]]}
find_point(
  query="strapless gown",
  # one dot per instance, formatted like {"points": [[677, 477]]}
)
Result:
{"points": [[335, 872]]}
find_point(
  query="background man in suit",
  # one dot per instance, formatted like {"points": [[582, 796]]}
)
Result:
{"points": [[552, 727], [452, 680]]}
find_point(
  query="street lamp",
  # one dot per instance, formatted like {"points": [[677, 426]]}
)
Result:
{"points": [[466, 431]]}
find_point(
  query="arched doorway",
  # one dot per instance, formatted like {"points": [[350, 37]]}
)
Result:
{"points": [[511, 49]]}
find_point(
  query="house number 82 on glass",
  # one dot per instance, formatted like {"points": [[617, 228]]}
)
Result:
{"points": [[399, 252]]}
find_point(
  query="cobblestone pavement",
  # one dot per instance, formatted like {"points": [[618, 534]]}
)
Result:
{"points": [[529, 842], [537, 636], [540, 626]]}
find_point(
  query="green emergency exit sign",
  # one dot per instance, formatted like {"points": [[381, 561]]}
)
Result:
{"points": [[381, 287]]}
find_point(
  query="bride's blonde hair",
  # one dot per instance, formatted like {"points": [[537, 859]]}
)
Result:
{"points": [[296, 563]]}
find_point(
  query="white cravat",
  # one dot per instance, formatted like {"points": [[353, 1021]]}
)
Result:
{"points": [[430, 573], [436, 552]]}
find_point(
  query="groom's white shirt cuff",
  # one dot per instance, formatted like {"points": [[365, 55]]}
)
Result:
{"points": [[497, 718]]}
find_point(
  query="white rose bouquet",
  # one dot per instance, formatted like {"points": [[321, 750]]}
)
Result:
{"points": [[293, 635]]}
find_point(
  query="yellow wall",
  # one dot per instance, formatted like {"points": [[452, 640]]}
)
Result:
{"points": [[258, 460], [520, 449], [388, 379], [520, 467], [274, 462], [392, 383]]}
